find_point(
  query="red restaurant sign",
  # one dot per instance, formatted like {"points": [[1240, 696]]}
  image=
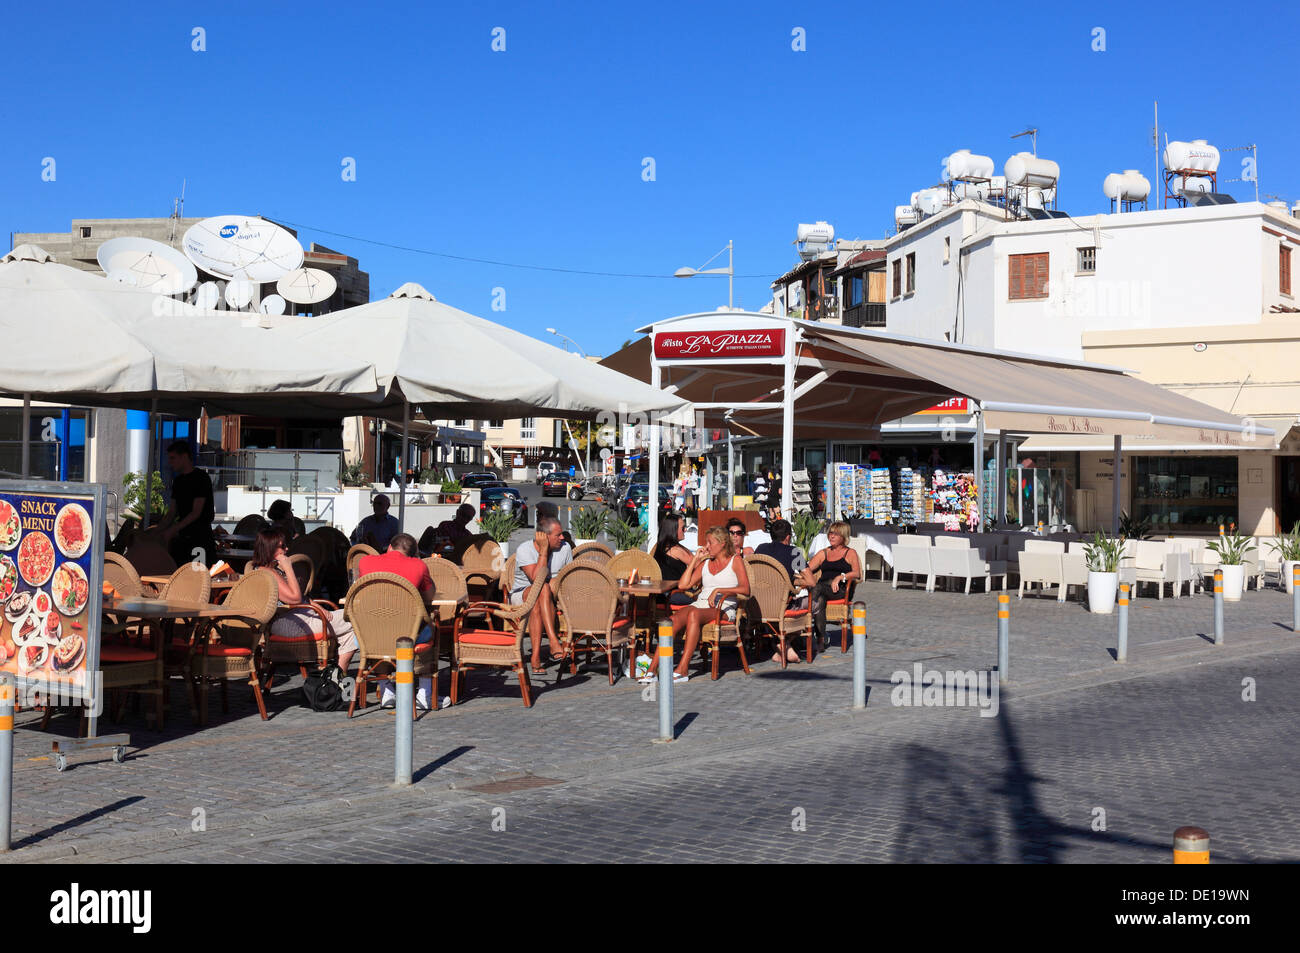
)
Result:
{"points": [[953, 405], [765, 343]]}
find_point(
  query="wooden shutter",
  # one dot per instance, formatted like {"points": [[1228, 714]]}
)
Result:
{"points": [[1027, 276], [1284, 270]]}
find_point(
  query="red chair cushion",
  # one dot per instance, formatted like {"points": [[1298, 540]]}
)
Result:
{"points": [[484, 637], [622, 623], [428, 645], [223, 651], [838, 602], [795, 613], [314, 637], [125, 653]]}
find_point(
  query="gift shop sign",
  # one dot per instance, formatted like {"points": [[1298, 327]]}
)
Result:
{"points": [[953, 405], [720, 344]]}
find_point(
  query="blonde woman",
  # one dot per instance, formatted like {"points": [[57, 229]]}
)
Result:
{"points": [[720, 571], [829, 574]]}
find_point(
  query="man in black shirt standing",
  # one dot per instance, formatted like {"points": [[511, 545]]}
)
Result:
{"points": [[188, 523]]}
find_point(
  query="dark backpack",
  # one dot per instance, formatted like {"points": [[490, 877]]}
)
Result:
{"points": [[323, 689]]}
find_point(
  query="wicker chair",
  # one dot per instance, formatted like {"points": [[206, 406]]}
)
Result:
{"points": [[598, 552], [149, 556], [475, 647], [315, 647], [188, 584], [770, 591], [121, 575], [238, 645], [251, 525], [621, 567], [125, 666], [305, 570], [355, 555], [837, 612], [588, 596], [448, 583], [331, 571], [384, 607], [480, 558]]}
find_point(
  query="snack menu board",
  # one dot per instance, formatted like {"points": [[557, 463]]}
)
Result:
{"points": [[51, 574]]}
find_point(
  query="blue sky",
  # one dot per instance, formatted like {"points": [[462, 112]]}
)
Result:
{"points": [[534, 155]]}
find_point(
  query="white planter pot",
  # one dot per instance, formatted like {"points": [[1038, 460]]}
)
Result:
{"points": [[1234, 581], [1102, 587], [1287, 567], [505, 549]]}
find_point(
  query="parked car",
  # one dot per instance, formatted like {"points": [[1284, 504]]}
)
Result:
{"points": [[503, 498], [559, 484], [478, 479], [545, 469], [636, 496]]}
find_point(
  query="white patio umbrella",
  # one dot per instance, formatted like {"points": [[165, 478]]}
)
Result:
{"points": [[452, 363]]}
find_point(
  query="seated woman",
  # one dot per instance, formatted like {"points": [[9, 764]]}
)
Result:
{"points": [[720, 569], [829, 573], [670, 555], [737, 531], [270, 552]]}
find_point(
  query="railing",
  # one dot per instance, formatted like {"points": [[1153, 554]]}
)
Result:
{"points": [[869, 314]]}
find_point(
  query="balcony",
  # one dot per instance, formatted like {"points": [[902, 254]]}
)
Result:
{"points": [[868, 315]]}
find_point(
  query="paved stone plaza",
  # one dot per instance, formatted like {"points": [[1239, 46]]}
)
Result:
{"points": [[767, 768]]}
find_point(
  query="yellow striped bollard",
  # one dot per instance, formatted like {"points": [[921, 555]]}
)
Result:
{"points": [[665, 663], [1121, 645], [1004, 637], [1218, 607], [405, 709], [6, 758], [1295, 598], [859, 655], [1191, 846]]}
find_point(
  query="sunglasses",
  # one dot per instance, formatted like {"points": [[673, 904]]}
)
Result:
{"points": [[736, 532]]}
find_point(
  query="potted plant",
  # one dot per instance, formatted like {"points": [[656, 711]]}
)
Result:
{"points": [[805, 527], [627, 535], [1102, 557], [1232, 550], [1288, 549], [499, 525], [429, 480], [133, 497], [450, 492], [587, 523], [354, 474]]}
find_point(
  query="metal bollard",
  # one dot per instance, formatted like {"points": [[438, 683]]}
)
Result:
{"points": [[1218, 607], [6, 758], [405, 679], [859, 655], [1191, 846], [1004, 637], [1121, 646], [665, 680], [1295, 598]]}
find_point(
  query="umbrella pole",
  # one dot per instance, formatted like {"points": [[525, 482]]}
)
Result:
{"points": [[27, 436], [401, 467], [148, 467]]}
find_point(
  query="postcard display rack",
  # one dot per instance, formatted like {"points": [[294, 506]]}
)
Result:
{"points": [[914, 502], [51, 600], [801, 491]]}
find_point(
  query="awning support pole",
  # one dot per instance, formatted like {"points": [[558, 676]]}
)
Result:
{"points": [[979, 468], [148, 465], [401, 467], [1000, 479], [731, 471], [787, 430], [27, 437], [652, 500], [1115, 490]]}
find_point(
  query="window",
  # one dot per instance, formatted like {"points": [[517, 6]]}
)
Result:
{"points": [[898, 278], [1027, 276], [1087, 261], [496, 424], [854, 292], [911, 272], [1185, 492], [947, 250], [85, 231], [462, 425], [528, 428], [1284, 270]]}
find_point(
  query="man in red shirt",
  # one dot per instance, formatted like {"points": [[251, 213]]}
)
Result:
{"points": [[401, 559]]}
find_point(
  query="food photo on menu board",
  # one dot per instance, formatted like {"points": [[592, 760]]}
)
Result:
{"points": [[45, 573]]}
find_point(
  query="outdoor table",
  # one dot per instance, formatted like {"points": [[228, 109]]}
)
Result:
{"points": [[218, 585], [225, 541]]}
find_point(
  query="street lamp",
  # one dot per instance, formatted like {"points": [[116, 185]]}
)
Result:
{"points": [[729, 271], [565, 337]]}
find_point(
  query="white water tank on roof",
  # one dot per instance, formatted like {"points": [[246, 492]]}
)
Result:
{"points": [[905, 215], [1128, 186], [1190, 183], [998, 185], [1279, 205], [962, 164], [820, 233], [1025, 168], [931, 201], [970, 190], [1195, 156]]}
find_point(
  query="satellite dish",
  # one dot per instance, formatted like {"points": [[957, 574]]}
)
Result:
{"points": [[272, 304], [208, 296], [157, 267], [306, 285], [121, 276], [240, 291], [226, 244]]}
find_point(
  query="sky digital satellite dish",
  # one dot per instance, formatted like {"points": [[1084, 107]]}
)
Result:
{"points": [[156, 267], [272, 304], [120, 276], [207, 296], [240, 291], [226, 244], [306, 285]]}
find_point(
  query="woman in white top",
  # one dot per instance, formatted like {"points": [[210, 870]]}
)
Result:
{"points": [[720, 570]]}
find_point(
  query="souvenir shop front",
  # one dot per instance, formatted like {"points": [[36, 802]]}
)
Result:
{"points": [[834, 386]]}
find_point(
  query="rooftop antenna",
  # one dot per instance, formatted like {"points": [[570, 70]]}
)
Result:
{"points": [[1033, 134], [1253, 149], [178, 212]]}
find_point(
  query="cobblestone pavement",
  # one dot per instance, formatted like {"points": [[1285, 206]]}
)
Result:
{"points": [[1163, 740]]}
